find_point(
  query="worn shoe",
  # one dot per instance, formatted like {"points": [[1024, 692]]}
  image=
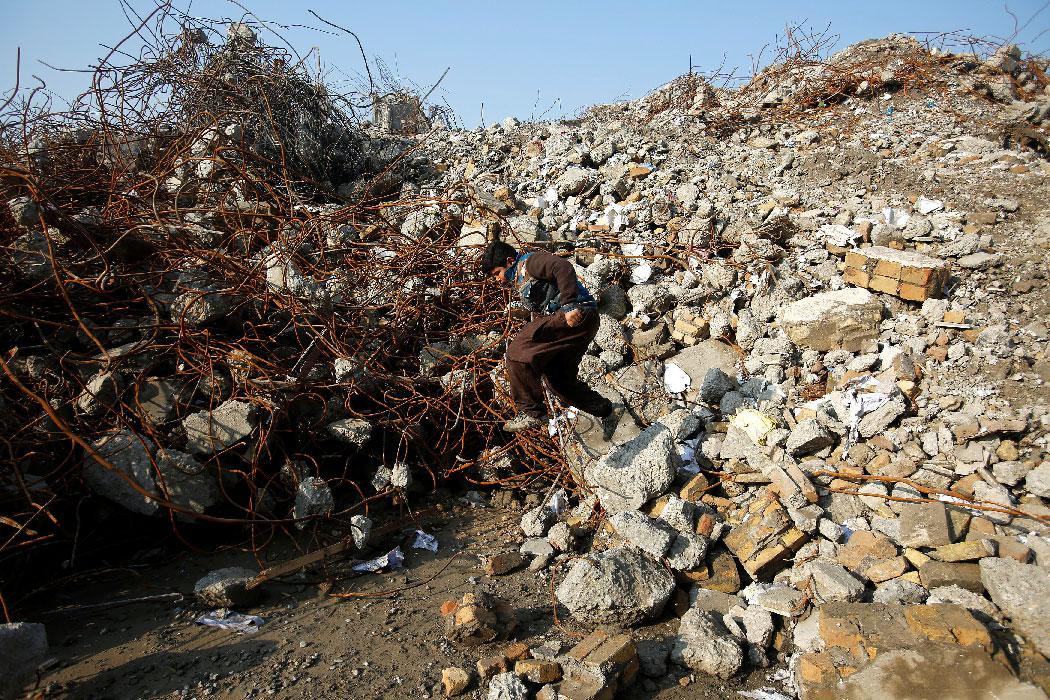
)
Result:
{"points": [[523, 421]]}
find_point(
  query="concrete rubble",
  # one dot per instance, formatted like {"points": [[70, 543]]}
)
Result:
{"points": [[824, 315]]}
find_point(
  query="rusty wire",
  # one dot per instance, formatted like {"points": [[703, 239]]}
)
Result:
{"points": [[182, 222]]}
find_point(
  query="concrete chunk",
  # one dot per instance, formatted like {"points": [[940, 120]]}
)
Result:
{"points": [[620, 586], [845, 319], [636, 471], [704, 644], [1022, 592], [208, 432]]}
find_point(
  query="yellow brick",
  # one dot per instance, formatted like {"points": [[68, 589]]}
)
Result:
{"points": [[854, 259], [853, 275], [954, 317], [913, 292], [883, 284], [916, 275], [888, 268]]}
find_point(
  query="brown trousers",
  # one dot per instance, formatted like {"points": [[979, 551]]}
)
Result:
{"points": [[548, 348]]}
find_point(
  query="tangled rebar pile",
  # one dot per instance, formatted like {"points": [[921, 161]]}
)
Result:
{"points": [[195, 323]]}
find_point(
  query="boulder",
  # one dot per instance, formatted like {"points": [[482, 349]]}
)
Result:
{"points": [[620, 586], [636, 471], [704, 644], [846, 319]]}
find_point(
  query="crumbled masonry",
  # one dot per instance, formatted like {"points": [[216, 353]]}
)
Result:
{"points": [[824, 330]]}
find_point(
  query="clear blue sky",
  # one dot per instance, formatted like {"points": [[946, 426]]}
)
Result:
{"points": [[516, 58]]}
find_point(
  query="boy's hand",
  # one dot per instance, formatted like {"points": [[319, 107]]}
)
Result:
{"points": [[573, 318]]}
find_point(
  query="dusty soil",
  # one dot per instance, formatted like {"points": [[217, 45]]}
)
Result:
{"points": [[313, 645]]}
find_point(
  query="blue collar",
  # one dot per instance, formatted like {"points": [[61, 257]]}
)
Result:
{"points": [[512, 272]]}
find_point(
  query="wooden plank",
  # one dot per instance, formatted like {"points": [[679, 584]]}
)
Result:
{"points": [[290, 567]]}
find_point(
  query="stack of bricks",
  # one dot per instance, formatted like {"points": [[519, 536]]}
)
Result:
{"points": [[688, 328], [902, 273], [596, 668], [763, 534]]}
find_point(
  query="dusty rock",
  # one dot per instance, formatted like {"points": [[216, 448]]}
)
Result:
{"points": [[1037, 482], [636, 471], [208, 432], [831, 582], [618, 586], [129, 453], [687, 552], [352, 431], [651, 535], [502, 563], [477, 619], [312, 497], [807, 437], [704, 644], [226, 588], [1022, 592], [507, 686], [925, 525], [847, 319], [537, 521], [454, 681]]}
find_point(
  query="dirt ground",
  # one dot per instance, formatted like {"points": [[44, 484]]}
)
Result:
{"points": [[313, 645]]}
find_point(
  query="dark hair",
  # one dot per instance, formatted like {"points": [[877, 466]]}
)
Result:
{"points": [[495, 255]]}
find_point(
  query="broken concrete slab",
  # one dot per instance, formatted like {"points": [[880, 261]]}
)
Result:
{"points": [[704, 644], [618, 586], [651, 535], [130, 455], [846, 319], [1022, 592], [208, 432], [633, 473]]}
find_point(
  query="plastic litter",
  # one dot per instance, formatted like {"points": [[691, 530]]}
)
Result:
{"points": [[676, 380], [839, 235], [862, 398], [928, 206], [559, 502], [565, 417], [896, 217], [755, 423], [641, 274], [424, 540], [615, 217], [765, 693], [394, 559], [226, 619]]}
